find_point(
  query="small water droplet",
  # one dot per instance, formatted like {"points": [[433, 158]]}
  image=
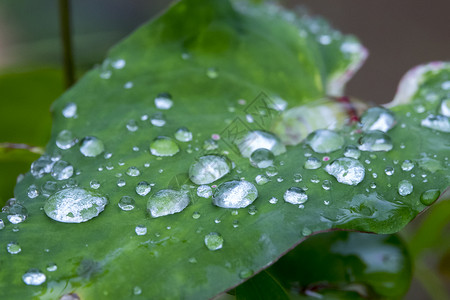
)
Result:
{"points": [[32, 191], [377, 118], [91, 146], [262, 158], [261, 179], [405, 188], [52, 267], [273, 200], [143, 188], [74, 205], [375, 141], [204, 191], [312, 163], [326, 185], [214, 241], [297, 177], [163, 101], [121, 183], [158, 119], [167, 202], [428, 197], [183, 135], [70, 110], [295, 195], [257, 139], [196, 215], [444, 108], [271, 171], [325, 141], [17, 213], [95, 184], [389, 171], [133, 172], [437, 122], [407, 165], [164, 146], [62, 170], [126, 203], [212, 73], [208, 169], [13, 248], [41, 166], [246, 273], [346, 170], [235, 194], [34, 277], [140, 230], [66, 140], [252, 210]]}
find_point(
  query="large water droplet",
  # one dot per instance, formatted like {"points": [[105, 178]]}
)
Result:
{"points": [[41, 166], [91, 146], [164, 146], [428, 197], [126, 203], [208, 169], [262, 158], [183, 135], [167, 202], [437, 122], [34, 277], [405, 188], [13, 248], [143, 188], [346, 170], [66, 140], [257, 139], [312, 163], [163, 101], [74, 205], [214, 241], [70, 110], [325, 141], [377, 118], [375, 141], [295, 195], [235, 194], [62, 170]]}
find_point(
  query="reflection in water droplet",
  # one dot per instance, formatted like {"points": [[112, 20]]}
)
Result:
{"points": [[163, 101], [74, 205], [235, 194], [437, 122], [325, 141], [62, 170], [126, 203], [167, 202], [407, 165], [346, 170], [405, 188], [312, 163], [352, 152], [140, 230], [257, 139], [204, 191], [377, 118], [91, 146], [70, 110], [208, 169], [295, 195], [183, 135], [214, 241], [66, 140], [428, 197], [262, 158], [13, 248], [34, 277], [375, 141], [164, 146], [143, 188]]}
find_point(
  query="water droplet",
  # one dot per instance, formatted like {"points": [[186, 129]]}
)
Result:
{"points": [[428, 197], [271, 171], [346, 170], [43, 165], [306, 231], [17, 213], [212, 73], [158, 120], [210, 144], [352, 152], [377, 118], [389, 171], [261, 179], [133, 172], [74, 205], [121, 183], [95, 184], [34, 277], [196, 215], [70, 110], [32, 191], [140, 230], [298, 177], [66, 140], [62, 170], [2, 224], [132, 126], [312, 163], [405, 188], [252, 210], [137, 290], [437, 122], [118, 64], [126, 203], [257, 139], [407, 165], [167, 202], [204, 191], [49, 187], [128, 85], [208, 169], [262, 158], [326, 185], [214, 241], [295, 195], [235, 194], [375, 141], [183, 135], [164, 146], [91, 146], [163, 101], [13, 248], [52, 267], [273, 200], [143, 188], [444, 108], [325, 141], [246, 273]]}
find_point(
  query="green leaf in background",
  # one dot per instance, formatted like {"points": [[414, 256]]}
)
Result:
{"points": [[171, 117]]}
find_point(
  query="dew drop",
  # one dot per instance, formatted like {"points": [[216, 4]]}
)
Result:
{"points": [[74, 205], [121, 183], [196, 215], [375, 141], [66, 140], [261, 179], [377, 118], [17, 213], [62, 170], [126, 203], [262, 158], [246, 273], [405, 188], [167, 202], [271, 171], [2, 224], [34, 277], [158, 120], [164, 146], [32, 191], [183, 135], [140, 230], [444, 108], [43, 165], [346, 170], [325, 141], [428, 197], [257, 139], [13, 248], [163, 101], [143, 188], [212, 73], [70, 110], [295, 195], [437, 122], [204, 191], [208, 169], [352, 152], [326, 185], [214, 241], [132, 126], [297, 177], [312, 163], [273, 200], [91, 146], [407, 165], [52, 267], [137, 290], [94, 184], [389, 171], [133, 172], [235, 194]]}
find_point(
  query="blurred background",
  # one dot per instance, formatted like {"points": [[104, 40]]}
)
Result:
{"points": [[399, 35]]}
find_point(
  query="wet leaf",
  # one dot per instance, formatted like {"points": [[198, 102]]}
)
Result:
{"points": [[204, 66]]}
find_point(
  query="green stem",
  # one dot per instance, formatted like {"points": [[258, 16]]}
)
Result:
{"points": [[66, 38]]}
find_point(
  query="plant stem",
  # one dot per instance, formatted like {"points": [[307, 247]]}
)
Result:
{"points": [[66, 39]]}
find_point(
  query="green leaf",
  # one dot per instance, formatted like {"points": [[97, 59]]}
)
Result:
{"points": [[262, 286], [213, 58]]}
